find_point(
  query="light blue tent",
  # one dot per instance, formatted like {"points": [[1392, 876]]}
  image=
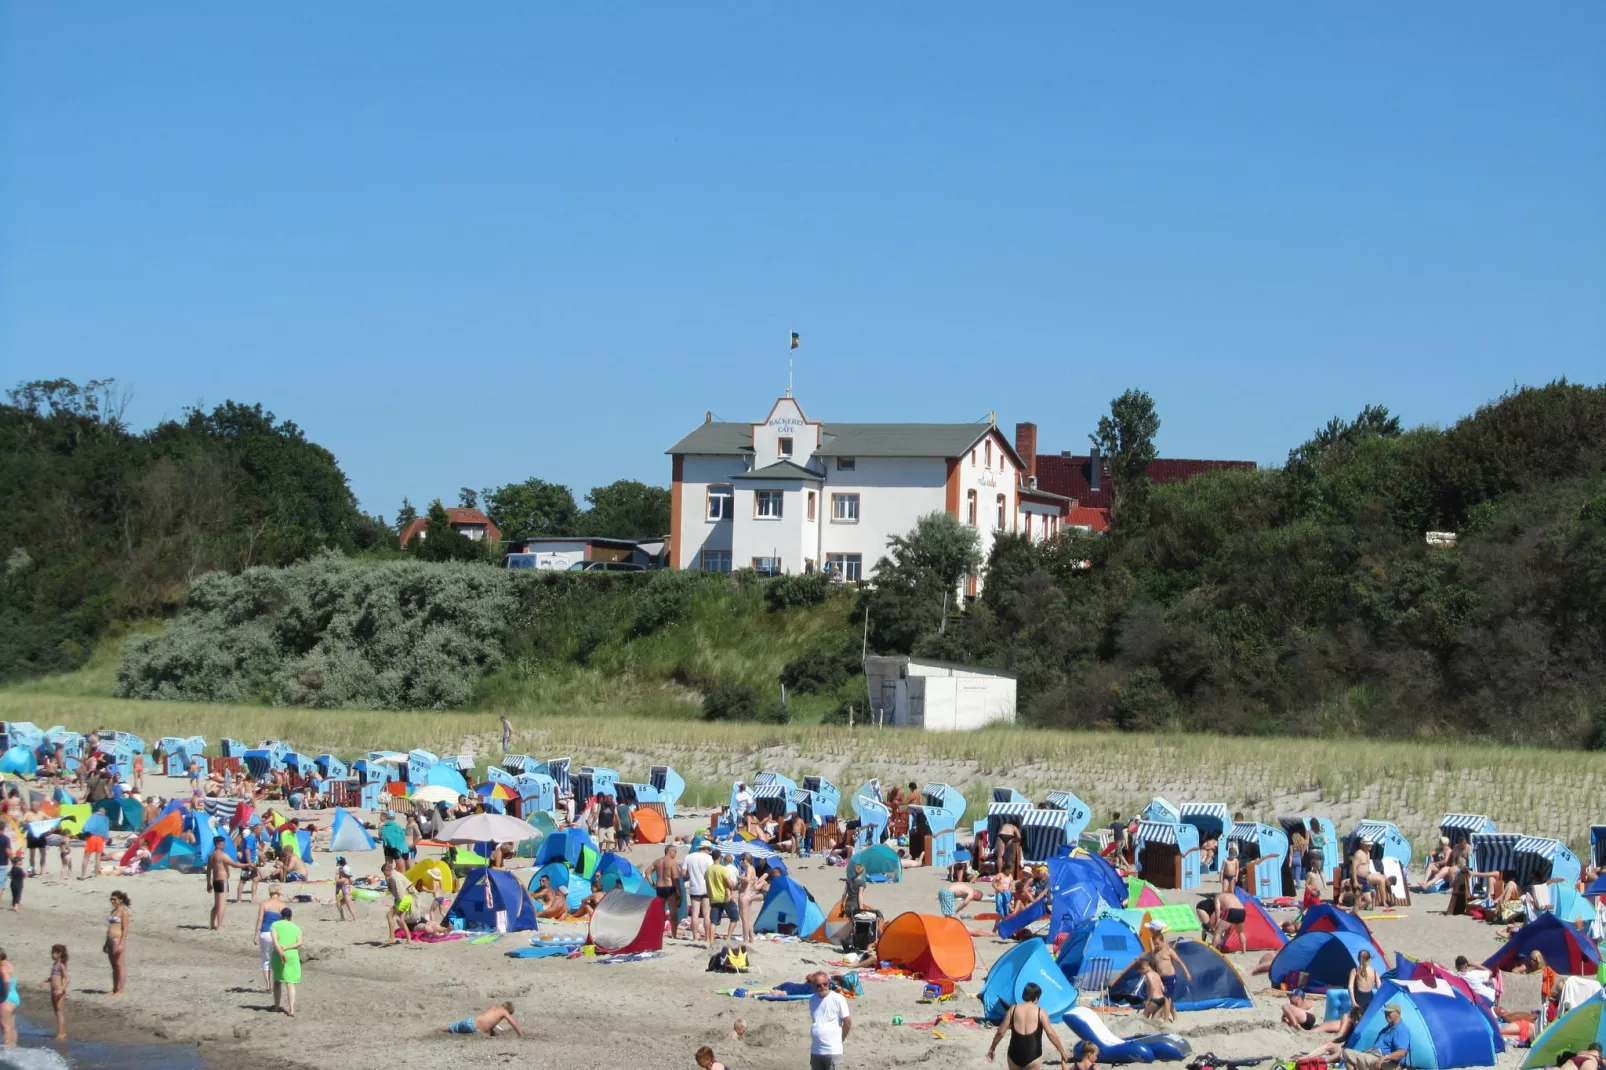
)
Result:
{"points": [[1263, 850], [19, 761], [1168, 854], [444, 776], [1029, 962], [1212, 820], [1077, 812], [879, 860], [1098, 938], [1447, 1029], [1585, 1024], [347, 834]]}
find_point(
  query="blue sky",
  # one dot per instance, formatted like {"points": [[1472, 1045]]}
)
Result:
{"points": [[462, 246]]}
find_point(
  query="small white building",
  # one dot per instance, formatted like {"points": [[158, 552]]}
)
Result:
{"points": [[939, 696], [790, 494]]}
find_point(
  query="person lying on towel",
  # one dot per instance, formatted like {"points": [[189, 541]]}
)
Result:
{"points": [[487, 1021]]}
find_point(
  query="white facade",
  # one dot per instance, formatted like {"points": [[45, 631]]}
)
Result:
{"points": [[788, 494], [937, 696]]}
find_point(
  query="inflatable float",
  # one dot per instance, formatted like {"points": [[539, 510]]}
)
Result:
{"points": [[1157, 1047]]}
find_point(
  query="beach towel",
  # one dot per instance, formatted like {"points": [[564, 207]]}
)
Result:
{"points": [[549, 951], [639, 956], [421, 939]]}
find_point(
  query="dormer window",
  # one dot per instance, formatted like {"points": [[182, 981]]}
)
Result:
{"points": [[845, 464], [783, 447]]}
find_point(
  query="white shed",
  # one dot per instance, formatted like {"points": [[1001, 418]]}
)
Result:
{"points": [[938, 695]]}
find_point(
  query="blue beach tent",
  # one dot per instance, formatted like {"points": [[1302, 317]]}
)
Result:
{"points": [[565, 845], [1213, 985], [1566, 949], [1319, 960], [1580, 1027], [485, 895], [1029, 962], [1101, 938], [1447, 1029], [789, 908], [347, 834], [1083, 885]]}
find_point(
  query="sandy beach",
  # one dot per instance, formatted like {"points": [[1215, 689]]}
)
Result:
{"points": [[361, 1000]]}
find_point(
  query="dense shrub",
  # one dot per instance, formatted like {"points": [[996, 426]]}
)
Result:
{"points": [[794, 591], [329, 632], [824, 667], [731, 702]]}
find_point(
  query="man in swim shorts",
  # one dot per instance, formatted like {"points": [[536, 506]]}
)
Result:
{"points": [[487, 1021], [1297, 1013], [665, 876], [217, 878]]}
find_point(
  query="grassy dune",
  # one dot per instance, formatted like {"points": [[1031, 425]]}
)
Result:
{"points": [[1541, 792]]}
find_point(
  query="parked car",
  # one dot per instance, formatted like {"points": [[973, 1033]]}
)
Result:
{"points": [[605, 566]]}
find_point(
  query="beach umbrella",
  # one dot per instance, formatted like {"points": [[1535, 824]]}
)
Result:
{"points": [[435, 793], [486, 828]]}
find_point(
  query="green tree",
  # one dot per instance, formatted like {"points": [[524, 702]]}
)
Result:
{"points": [[626, 509], [532, 509], [467, 498], [405, 515], [1126, 438], [918, 581], [438, 542]]}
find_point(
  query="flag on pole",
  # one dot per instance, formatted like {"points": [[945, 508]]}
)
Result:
{"points": [[795, 339]]}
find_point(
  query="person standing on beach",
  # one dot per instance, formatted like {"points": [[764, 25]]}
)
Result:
{"points": [[9, 1000], [830, 1021], [116, 946], [507, 733], [57, 984], [217, 879], [286, 962], [1166, 964]]}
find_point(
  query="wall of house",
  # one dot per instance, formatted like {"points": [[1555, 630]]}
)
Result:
{"points": [[893, 493], [1044, 519], [696, 532], [786, 537], [987, 483]]}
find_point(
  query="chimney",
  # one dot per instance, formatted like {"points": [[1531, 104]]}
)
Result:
{"points": [[708, 416], [1026, 446], [1095, 468]]}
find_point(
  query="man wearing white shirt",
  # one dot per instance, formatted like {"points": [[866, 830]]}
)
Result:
{"points": [[697, 864], [1477, 978], [830, 1021], [744, 804]]}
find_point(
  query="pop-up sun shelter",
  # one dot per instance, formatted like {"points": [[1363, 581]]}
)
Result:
{"points": [[935, 947], [492, 899], [1212, 820], [625, 923], [1319, 961], [1029, 962], [567, 846], [347, 834], [19, 761], [1213, 985], [1083, 885], [1447, 1030], [1580, 1027], [1326, 918], [1168, 854], [1261, 932], [879, 860], [1263, 850], [789, 908], [1566, 949], [1100, 939]]}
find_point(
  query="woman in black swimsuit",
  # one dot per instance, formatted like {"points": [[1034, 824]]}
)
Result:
{"points": [[1026, 1023]]}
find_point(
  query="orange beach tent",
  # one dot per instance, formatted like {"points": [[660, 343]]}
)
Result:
{"points": [[935, 947]]}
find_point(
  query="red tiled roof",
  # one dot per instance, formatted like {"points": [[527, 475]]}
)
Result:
{"points": [[458, 518], [1070, 475], [1084, 516]]}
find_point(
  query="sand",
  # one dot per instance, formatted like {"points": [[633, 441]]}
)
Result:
{"points": [[362, 1002]]}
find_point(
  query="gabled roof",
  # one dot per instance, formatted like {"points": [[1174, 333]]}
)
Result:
{"points": [[852, 440], [718, 438], [780, 470], [1083, 516], [457, 518]]}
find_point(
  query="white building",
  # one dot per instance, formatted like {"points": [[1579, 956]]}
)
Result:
{"points": [[937, 695], [788, 494]]}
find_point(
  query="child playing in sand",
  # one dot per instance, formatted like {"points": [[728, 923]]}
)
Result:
{"points": [[487, 1021], [343, 906]]}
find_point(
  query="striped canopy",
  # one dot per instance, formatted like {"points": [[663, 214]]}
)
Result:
{"points": [[1157, 832], [1465, 822]]}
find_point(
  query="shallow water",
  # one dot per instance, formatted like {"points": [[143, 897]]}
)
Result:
{"points": [[40, 1052]]}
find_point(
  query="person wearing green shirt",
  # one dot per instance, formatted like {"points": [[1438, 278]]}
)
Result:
{"points": [[394, 839], [286, 962]]}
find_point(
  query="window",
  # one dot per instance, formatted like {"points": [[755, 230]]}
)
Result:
{"points": [[844, 508], [973, 456], [767, 566], [767, 504], [845, 464], [716, 560], [1003, 517], [989, 455], [811, 505], [850, 567], [970, 507], [783, 447], [719, 502]]}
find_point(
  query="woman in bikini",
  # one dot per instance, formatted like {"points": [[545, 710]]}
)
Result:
{"points": [[1026, 1023], [116, 946], [1363, 981], [9, 1002], [750, 889]]}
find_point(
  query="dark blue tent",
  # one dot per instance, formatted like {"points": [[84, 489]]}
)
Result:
{"points": [[1029, 962], [1566, 949], [1101, 938], [1319, 960], [1083, 885], [1211, 982], [1326, 918], [487, 893]]}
